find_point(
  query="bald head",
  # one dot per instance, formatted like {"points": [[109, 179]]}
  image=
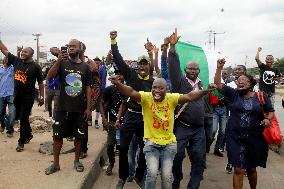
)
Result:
{"points": [[192, 70], [159, 89], [160, 81]]}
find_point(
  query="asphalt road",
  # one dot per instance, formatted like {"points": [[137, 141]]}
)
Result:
{"points": [[215, 176]]}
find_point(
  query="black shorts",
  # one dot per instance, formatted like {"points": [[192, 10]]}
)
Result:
{"points": [[69, 124]]}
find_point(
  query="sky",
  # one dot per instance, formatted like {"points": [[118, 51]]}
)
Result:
{"points": [[243, 25]]}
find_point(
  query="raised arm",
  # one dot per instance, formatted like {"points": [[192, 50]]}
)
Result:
{"points": [[217, 78], [3, 49], [19, 50], [125, 90], [257, 56], [175, 73], [156, 60], [118, 60], [54, 69], [149, 47], [164, 57], [195, 95]]}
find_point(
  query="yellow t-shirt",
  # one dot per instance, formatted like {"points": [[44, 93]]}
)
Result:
{"points": [[159, 117]]}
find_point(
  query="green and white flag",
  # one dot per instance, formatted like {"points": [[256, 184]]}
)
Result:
{"points": [[207, 60]]}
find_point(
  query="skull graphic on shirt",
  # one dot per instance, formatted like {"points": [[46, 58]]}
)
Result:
{"points": [[268, 77]]}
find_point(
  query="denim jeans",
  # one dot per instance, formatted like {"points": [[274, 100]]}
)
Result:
{"points": [[195, 137], [156, 155], [10, 118], [132, 155], [220, 117]]}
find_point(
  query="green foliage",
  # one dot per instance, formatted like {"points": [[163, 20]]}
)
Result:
{"points": [[253, 71], [279, 64]]}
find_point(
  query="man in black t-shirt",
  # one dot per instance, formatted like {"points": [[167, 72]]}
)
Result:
{"points": [[268, 75], [132, 122], [74, 102], [111, 113], [27, 72]]}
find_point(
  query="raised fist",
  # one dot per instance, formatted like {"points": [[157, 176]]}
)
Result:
{"points": [[113, 35], [259, 49]]}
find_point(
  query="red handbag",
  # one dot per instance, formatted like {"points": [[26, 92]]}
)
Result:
{"points": [[272, 134]]}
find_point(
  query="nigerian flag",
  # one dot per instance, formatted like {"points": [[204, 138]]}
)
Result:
{"points": [[207, 60]]}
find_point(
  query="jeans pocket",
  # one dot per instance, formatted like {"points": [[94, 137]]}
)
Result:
{"points": [[172, 148], [148, 147]]}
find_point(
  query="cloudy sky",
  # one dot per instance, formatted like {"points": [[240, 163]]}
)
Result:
{"points": [[247, 24]]}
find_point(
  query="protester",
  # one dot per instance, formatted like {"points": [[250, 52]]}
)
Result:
{"points": [[110, 105], [220, 117], [158, 115], [268, 75], [7, 97], [238, 71], [74, 102], [246, 146], [132, 122], [189, 128], [103, 75], [27, 72]]}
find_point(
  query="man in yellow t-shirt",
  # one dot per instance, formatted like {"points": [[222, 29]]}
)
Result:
{"points": [[158, 115]]}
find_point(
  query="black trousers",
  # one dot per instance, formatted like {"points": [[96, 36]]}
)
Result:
{"points": [[23, 105], [132, 124]]}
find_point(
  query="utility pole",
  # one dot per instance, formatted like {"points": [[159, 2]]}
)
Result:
{"points": [[214, 33], [37, 35]]}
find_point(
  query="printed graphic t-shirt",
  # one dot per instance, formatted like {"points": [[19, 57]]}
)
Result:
{"points": [[26, 74], [112, 100], [159, 117], [73, 79], [266, 82]]}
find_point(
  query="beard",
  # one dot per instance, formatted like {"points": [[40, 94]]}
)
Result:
{"points": [[74, 55]]}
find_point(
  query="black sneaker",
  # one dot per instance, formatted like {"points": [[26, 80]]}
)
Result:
{"points": [[218, 153], [29, 139], [20, 147], [229, 168], [120, 184], [109, 170]]}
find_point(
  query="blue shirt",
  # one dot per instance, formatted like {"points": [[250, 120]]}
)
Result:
{"points": [[6, 81], [53, 84]]}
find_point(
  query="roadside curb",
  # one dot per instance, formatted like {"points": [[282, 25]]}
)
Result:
{"points": [[96, 169]]}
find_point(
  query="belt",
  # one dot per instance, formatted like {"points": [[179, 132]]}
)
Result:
{"points": [[129, 109]]}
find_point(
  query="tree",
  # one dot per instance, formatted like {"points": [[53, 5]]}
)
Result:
{"points": [[279, 64]]}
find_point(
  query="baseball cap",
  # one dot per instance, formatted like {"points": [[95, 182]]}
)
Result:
{"points": [[143, 58]]}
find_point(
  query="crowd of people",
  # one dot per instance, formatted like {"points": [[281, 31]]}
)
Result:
{"points": [[153, 114]]}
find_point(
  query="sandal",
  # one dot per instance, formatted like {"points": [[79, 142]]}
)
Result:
{"points": [[79, 166], [51, 169]]}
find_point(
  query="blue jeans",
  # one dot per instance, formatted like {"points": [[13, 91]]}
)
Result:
{"points": [[156, 155], [195, 137], [10, 118], [220, 117], [132, 155]]}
